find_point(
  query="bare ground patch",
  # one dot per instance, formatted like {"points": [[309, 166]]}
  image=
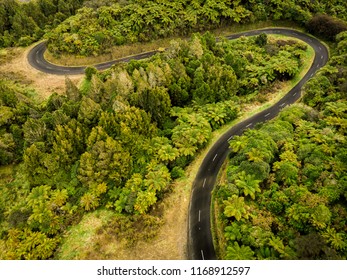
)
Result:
{"points": [[15, 66]]}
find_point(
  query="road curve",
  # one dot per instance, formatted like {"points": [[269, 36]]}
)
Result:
{"points": [[36, 59], [200, 244]]}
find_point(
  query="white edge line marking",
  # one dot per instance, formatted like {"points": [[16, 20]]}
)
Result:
{"points": [[231, 137], [199, 215], [203, 185], [202, 254], [215, 157]]}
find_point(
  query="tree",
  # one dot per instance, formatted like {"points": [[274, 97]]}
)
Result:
{"points": [[47, 7], [34, 130], [163, 149], [286, 172], [105, 161], [68, 142], [277, 244], [191, 133], [157, 179], [7, 148], [336, 239], [247, 184], [298, 216], [144, 200], [89, 112], [29, 245], [237, 252], [72, 92], [255, 155], [154, 101], [46, 204], [261, 40], [283, 65], [89, 201], [23, 25], [89, 72], [310, 246], [233, 232], [326, 26], [236, 207], [237, 143], [39, 167], [321, 216]]}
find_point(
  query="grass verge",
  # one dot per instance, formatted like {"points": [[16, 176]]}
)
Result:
{"points": [[78, 239]]}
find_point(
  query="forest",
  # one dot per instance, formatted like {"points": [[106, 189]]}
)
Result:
{"points": [[91, 27], [120, 139], [285, 192]]}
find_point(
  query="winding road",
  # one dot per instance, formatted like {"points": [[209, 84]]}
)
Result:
{"points": [[37, 60], [200, 244]]}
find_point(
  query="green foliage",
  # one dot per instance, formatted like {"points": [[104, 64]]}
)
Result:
{"points": [[155, 101], [119, 143], [104, 161], [28, 245], [192, 132], [236, 207], [23, 22], [97, 27], [247, 184], [261, 40], [300, 211], [237, 252], [326, 26], [89, 112], [89, 72], [302, 191]]}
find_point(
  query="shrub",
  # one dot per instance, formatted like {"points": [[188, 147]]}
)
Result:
{"points": [[326, 26]]}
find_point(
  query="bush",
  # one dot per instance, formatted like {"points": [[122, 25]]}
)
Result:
{"points": [[25, 41], [90, 71], [261, 40], [177, 172], [326, 26]]}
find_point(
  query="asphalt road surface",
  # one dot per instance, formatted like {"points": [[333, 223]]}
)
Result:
{"points": [[200, 245], [37, 60]]}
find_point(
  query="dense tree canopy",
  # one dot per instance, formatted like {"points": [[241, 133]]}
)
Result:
{"points": [[96, 27], [22, 23], [100, 24]]}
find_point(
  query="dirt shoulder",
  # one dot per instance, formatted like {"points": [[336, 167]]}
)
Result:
{"points": [[15, 66]]}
